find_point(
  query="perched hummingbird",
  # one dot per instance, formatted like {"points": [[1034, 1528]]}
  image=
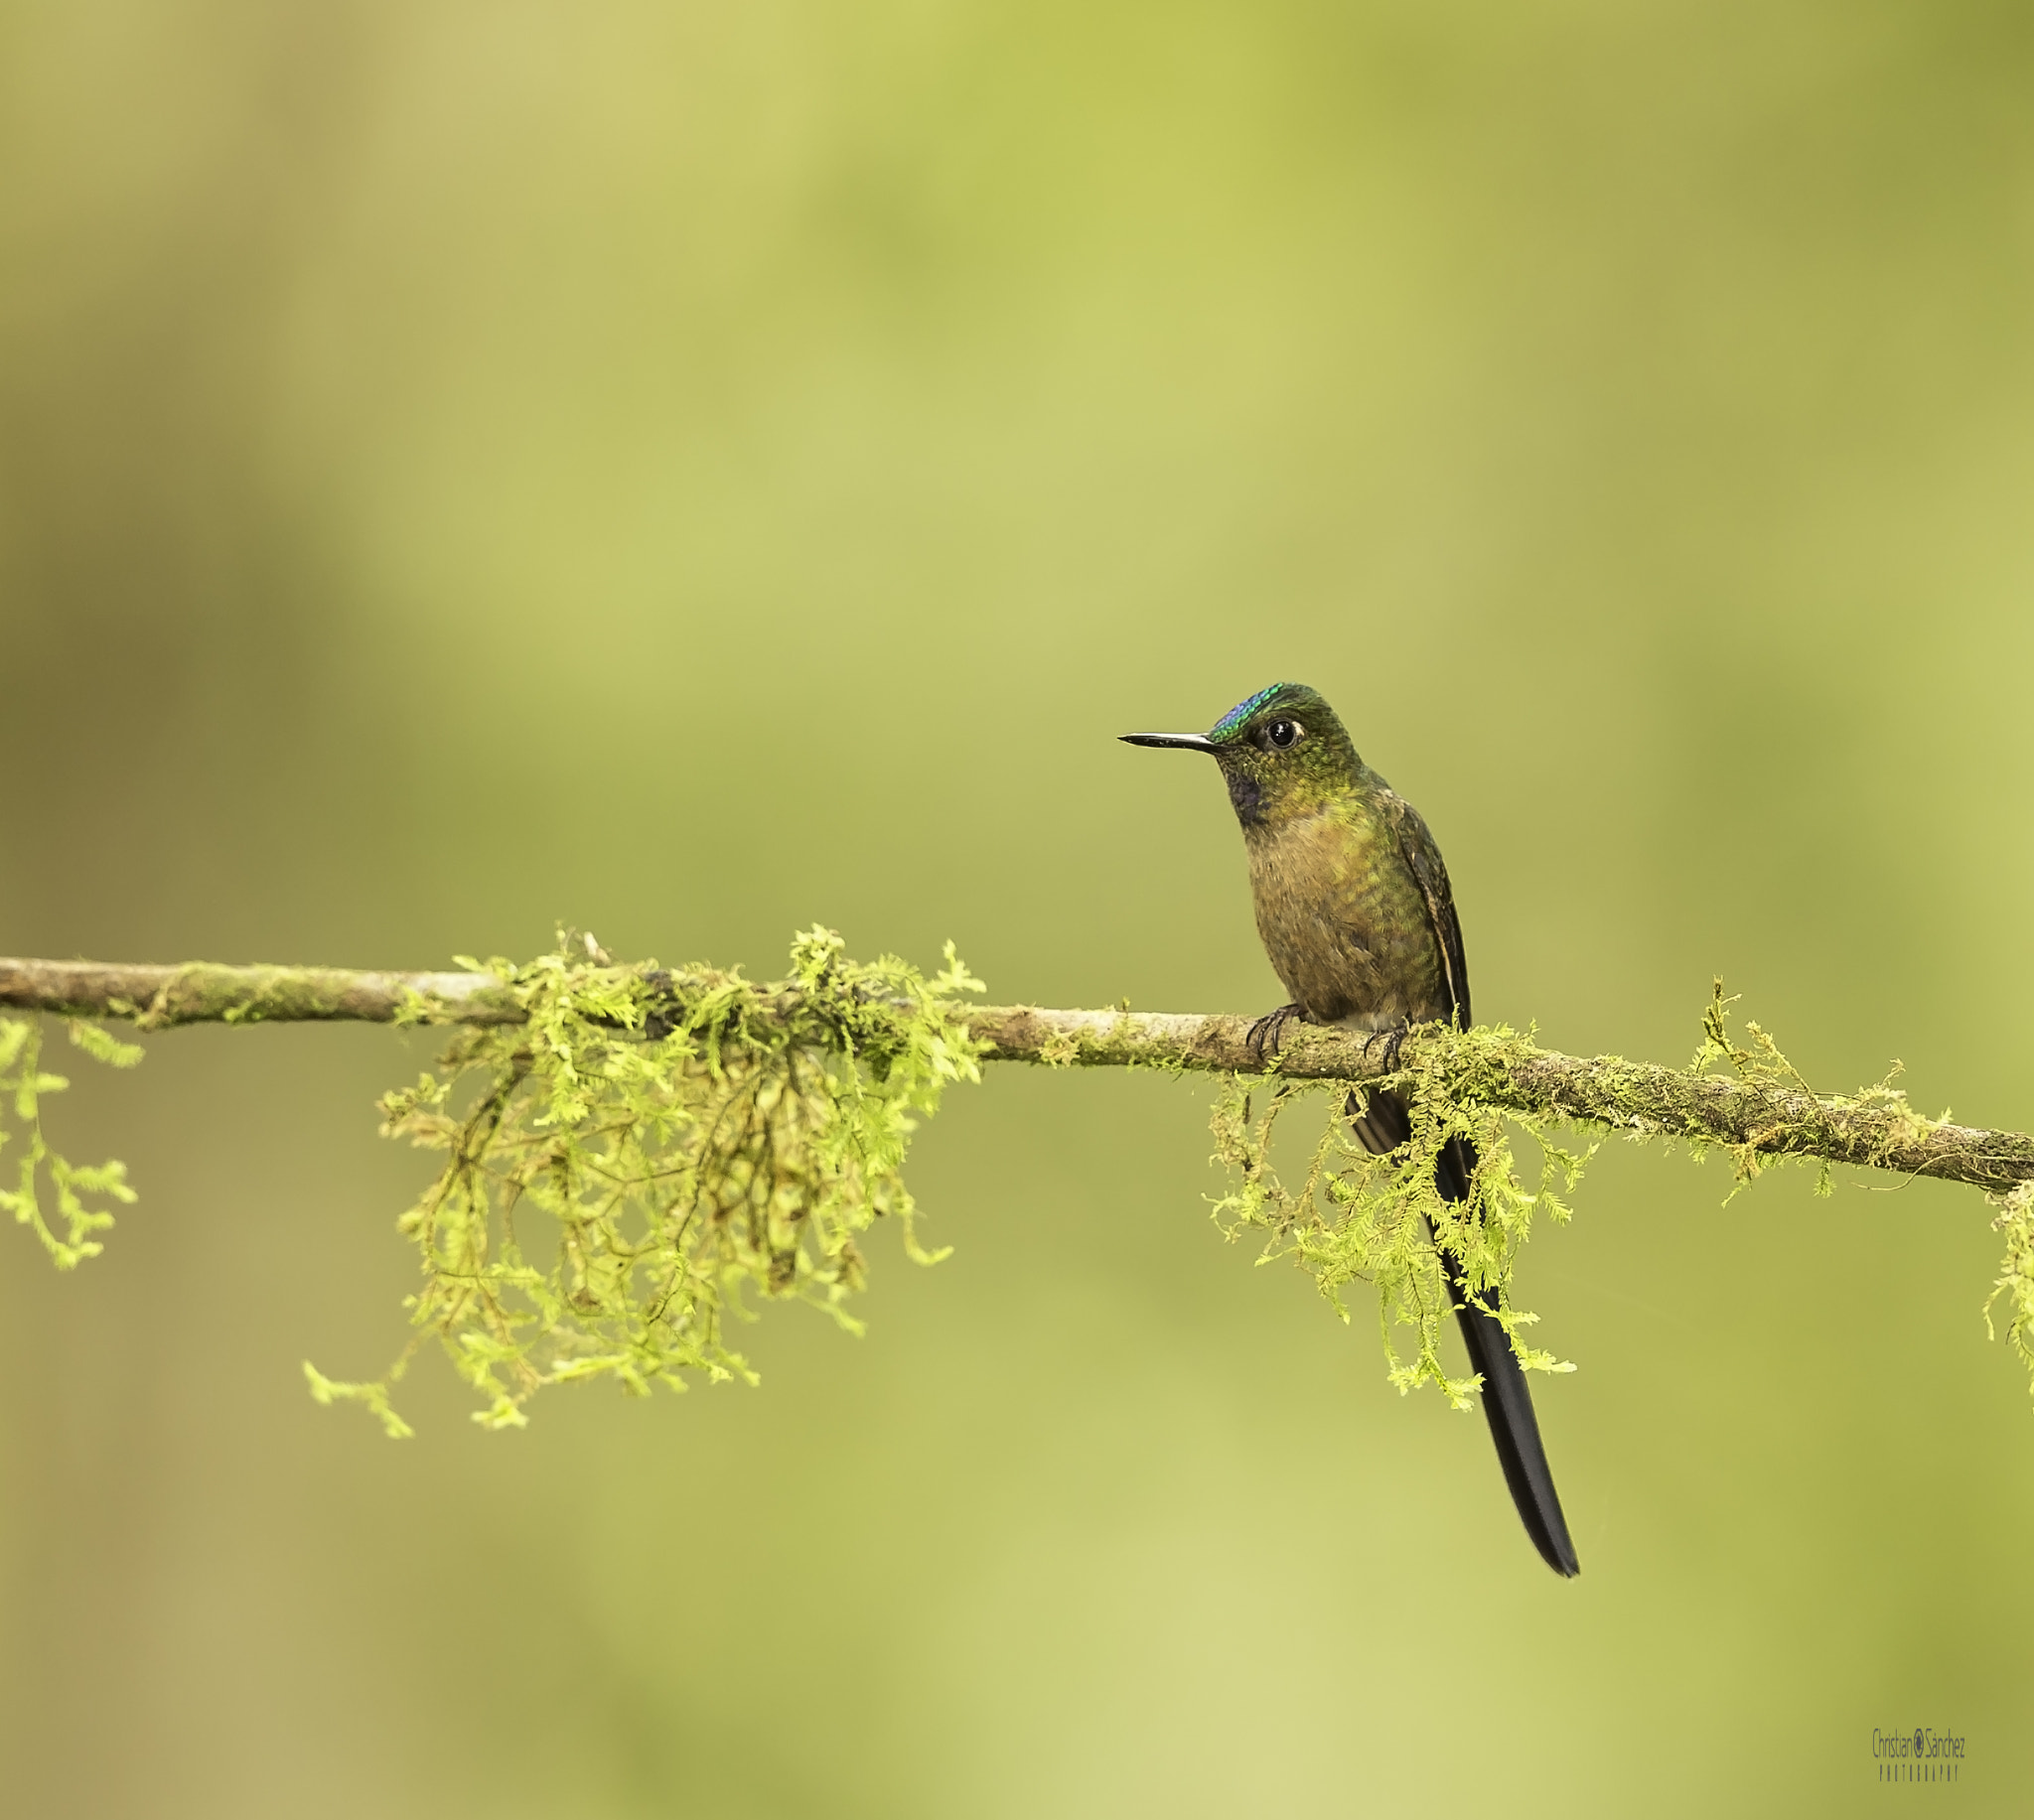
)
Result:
{"points": [[1354, 911]]}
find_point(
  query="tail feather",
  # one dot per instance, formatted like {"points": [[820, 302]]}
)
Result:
{"points": [[1506, 1402]]}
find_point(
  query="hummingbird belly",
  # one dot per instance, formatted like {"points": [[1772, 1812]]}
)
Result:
{"points": [[1343, 921]]}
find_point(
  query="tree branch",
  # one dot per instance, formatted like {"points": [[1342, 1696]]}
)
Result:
{"points": [[1755, 1113], [199, 992]]}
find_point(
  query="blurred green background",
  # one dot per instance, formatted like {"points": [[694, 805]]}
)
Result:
{"points": [[689, 471]]}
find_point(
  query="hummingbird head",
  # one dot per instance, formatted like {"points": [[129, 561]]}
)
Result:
{"points": [[1282, 753]]}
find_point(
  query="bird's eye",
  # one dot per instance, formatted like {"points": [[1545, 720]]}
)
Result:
{"points": [[1283, 734]]}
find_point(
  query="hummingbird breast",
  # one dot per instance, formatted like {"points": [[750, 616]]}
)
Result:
{"points": [[1344, 920]]}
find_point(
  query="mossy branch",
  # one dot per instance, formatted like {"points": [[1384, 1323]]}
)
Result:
{"points": [[202, 992], [1747, 1110], [685, 1137]]}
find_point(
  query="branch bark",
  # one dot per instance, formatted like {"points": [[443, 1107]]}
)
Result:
{"points": [[199, 992], [1498, 1069]]}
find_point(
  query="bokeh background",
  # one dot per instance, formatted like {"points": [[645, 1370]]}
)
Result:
{"points": [[694, 470]]}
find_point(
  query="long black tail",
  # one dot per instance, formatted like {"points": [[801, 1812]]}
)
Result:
{"points": [[1506, 1402]]}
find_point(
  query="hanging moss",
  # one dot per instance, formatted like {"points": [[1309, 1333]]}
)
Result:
{"points": [[25, 1085], [1355, 1218], [2016, 1274], [647, 1149]]}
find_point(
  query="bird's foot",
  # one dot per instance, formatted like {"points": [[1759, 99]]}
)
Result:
{"points": [[1393, 1040], [1269, 1031], [662, 1015]]}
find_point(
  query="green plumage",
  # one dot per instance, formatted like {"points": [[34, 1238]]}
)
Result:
{"points": [[1352, 899], [1346, 925], [1358, 919]]}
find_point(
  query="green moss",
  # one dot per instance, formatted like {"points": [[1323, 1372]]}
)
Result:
{"points": [[649, 1149], [25, 1085], [630, 1153], [2017, 1274], [1353, 1218]]}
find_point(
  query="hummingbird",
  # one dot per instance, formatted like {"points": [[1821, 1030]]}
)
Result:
{"points": [[1357, 917]]}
